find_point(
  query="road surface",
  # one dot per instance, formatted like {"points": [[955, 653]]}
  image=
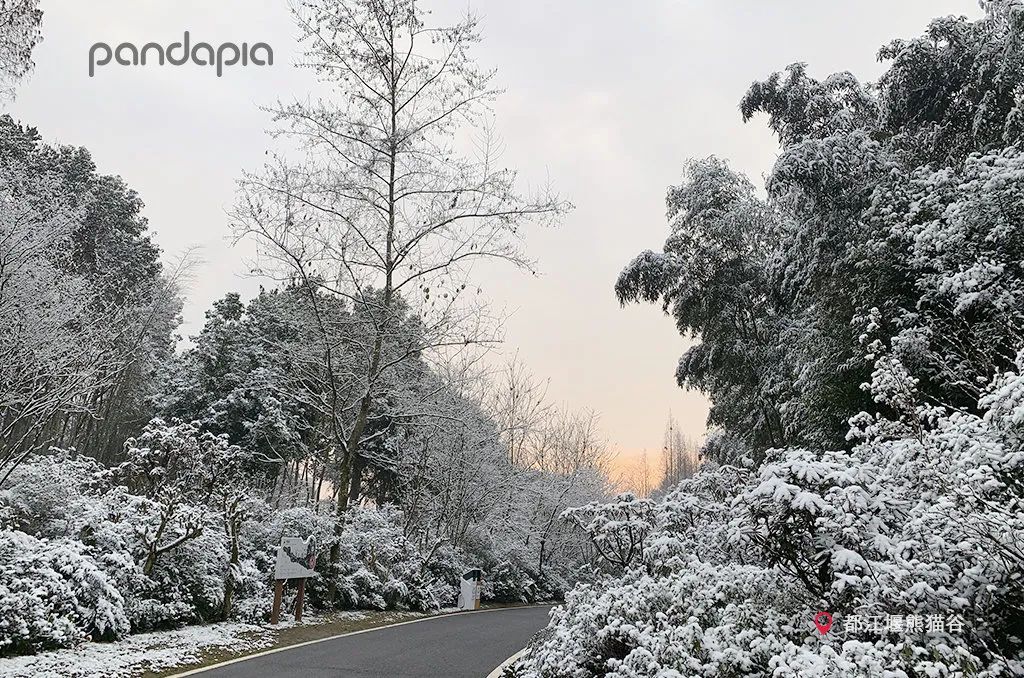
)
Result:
{"points": [[468, 645]]}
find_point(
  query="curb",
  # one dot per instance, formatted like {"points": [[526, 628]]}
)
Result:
{"points": [[496, 673]]}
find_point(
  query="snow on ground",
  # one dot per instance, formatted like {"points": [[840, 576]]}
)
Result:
{"points": [[129, 657], [156, 651]]}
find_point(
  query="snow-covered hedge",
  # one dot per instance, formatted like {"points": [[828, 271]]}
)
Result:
{"points": [[921, 522], [53, 594], [698, 619]]}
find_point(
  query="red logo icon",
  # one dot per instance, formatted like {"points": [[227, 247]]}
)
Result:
{"points": [[823, 620]]}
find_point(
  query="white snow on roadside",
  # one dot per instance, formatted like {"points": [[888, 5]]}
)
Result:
{"points": [[131, 656]]}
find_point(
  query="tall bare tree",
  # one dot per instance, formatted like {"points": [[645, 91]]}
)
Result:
{"points": [[519, 404], [573, 461], [396, 193], [680, 458]]}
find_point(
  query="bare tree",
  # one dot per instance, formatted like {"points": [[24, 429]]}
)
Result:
{"points": [[385, 208], [679, 456], [639, 477], [573, 459], [518, 403], [572, 441]]}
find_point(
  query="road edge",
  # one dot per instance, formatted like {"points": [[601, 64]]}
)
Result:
{"points": [[496, 673], [264, 653]]}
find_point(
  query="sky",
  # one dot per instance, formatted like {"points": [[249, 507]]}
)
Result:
{"points": [[606, 99]]}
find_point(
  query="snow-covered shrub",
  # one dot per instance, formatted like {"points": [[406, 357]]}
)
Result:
{"points": [[189, 578], [618, 529], [379, 567], [197, 523], [110, 529], [52, 594], [446, 564], [298, 521], [510, 580], [254, 591], [923, 519], [510, 569], [69, 499], [699, 619], [50, 497], [74, 555]]}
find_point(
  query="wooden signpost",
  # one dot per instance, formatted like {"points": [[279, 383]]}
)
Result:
{"points": [[296, 559]]}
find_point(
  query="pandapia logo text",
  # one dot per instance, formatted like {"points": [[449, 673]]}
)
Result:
{"points": [[178, 53]]}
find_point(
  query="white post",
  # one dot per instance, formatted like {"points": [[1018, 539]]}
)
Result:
{"points": [[469, 591]]}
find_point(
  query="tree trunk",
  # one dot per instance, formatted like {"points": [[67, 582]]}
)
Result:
{"points": [[229, 582], [356, 486]]}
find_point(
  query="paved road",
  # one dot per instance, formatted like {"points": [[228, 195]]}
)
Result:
{"points": [[468, 645]]}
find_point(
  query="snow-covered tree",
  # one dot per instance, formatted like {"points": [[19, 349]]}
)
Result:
{"points": [[711, 276], [384, 209], [19, 34], [881, 330], [86, 310]]}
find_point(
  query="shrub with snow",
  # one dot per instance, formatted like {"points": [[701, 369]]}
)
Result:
{"points": [[922, 520], [53, 594], [380, 568]]}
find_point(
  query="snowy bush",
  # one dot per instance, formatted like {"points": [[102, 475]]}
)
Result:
{"points": [[928, 525], [617, 529], [697, 620], [509, 580], [380, 568], [77, 536], [52, 594]]}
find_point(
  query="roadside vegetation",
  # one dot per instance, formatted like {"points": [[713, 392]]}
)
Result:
{"points": [[861, 336], [146, 479]]}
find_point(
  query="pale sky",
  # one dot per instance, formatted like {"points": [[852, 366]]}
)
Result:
{"points": [[606, 98]]}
